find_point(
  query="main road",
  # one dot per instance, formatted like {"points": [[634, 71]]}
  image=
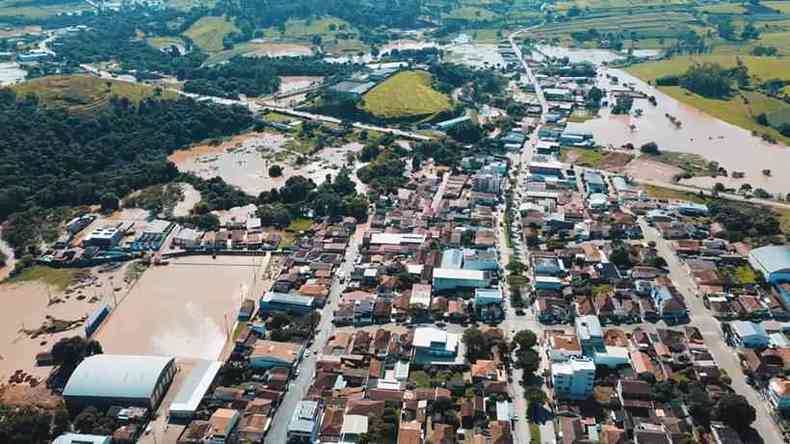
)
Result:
{"points": [[297, 389], [514, 323], [724, 355]]}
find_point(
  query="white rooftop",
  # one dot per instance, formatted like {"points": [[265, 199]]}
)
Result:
{"points": [[425, 336]]}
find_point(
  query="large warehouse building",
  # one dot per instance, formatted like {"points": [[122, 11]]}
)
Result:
{"points": [[123, 380], [773, 262]]}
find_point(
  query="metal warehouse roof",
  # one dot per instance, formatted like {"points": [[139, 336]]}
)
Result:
{"points": [[116, 376], [772, 258]]}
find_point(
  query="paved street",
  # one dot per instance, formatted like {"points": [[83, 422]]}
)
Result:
{"points": [[298, 387], [725, 356]]}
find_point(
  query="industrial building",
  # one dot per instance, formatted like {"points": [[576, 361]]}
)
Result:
{"points": [[193, 389], [773, 262], [451, 278], [273, 302], [122, 380]]}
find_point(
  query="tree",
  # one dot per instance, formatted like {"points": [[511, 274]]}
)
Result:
{"points": [[476, 344], [699, 404], [296, 189], [275, 215], [275, 171], [343, 185], [650, 148], [68, 352], [594, 97], [620, 257], [525, 339], [109, 202], [516, 267], [466, 132], [26, 425], [535, 398], [735, 411]]}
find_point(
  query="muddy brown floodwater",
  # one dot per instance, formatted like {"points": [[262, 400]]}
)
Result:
{"points": [[733, 147], [187, 308]]}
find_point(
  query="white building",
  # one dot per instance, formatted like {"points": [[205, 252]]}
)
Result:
{"points": [[573, 379]]}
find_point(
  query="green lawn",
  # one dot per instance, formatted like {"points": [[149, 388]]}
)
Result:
{"points": [[745, 275], [209, 31], [300, 224], [408, 94], [57, 278], [83, 93]]}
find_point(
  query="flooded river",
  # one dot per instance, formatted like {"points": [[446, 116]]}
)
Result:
{"points": [[735, 148]]}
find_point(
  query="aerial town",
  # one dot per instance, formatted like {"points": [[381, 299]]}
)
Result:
{"points": [[441, 241]]}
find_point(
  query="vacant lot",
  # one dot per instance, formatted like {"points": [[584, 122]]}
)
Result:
{"points": [[82, 93], [209, 32], [408, 94], [598, 159]]}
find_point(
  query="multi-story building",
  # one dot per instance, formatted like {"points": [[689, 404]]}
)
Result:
{"points": [[573, 379]]}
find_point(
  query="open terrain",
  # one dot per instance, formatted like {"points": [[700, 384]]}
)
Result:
{"points": [[208, 32], [408, 94], [83, 93]]}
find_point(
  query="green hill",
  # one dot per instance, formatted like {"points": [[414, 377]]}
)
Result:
{"points": [[406, 95], [83, 93]]}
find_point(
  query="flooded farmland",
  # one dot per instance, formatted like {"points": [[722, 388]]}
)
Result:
{"points": [[244, 161], [734, 148]]}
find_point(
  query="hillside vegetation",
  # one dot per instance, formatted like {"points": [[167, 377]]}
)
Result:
{"points": [[83, 93], [209, 32], [408, 94]]}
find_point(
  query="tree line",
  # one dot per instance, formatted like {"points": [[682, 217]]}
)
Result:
{"points": [[52, 159]]}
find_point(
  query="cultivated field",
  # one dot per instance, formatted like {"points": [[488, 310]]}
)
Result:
{"points": [[408, 94], [83, 93], [761, 68], [209, 31]]}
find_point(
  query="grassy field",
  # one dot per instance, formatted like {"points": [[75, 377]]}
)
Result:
{"points": [[57, 278], [647, 25], [82, 93], [11, 8], [761, 68], [338, 37], [781, 6], [693, 164], [209, 31], [670, 194], [300, 224], [408, 94], [471, 13], [164, 42], [734, 110], [593, 158]]}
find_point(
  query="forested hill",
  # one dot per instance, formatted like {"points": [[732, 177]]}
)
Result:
{"points": [[363, 13], [51, 158]]}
